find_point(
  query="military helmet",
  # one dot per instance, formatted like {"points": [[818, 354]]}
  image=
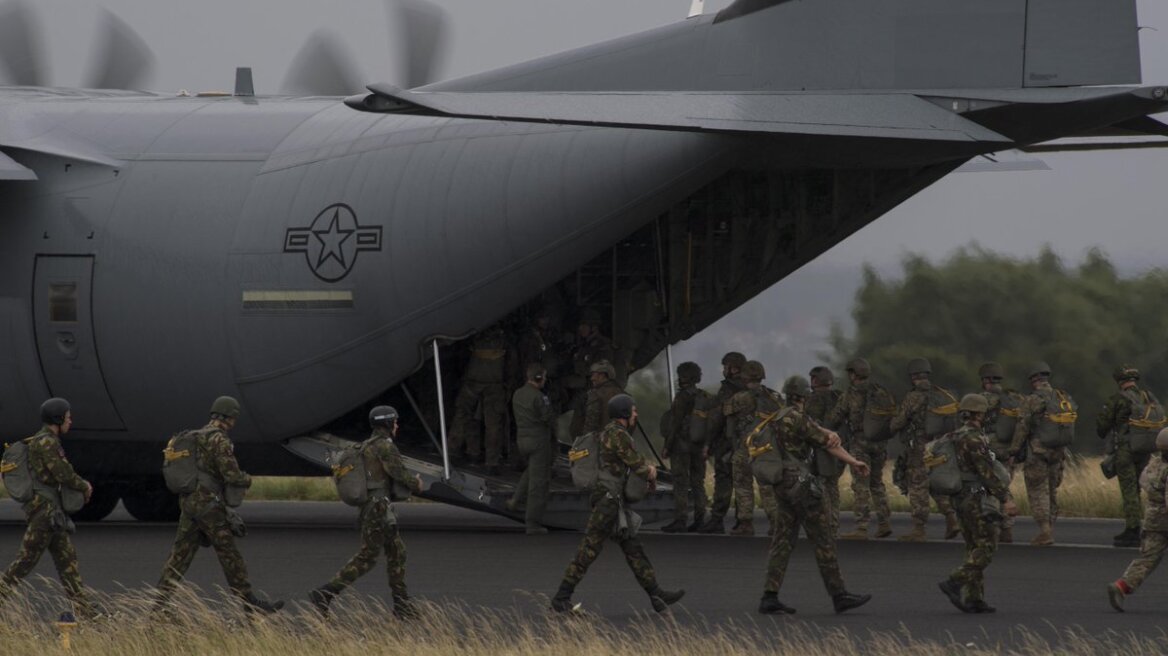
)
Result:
{"points": [[860, 367], [1125, 372], [822, 376], [991, 370], [603, 367], [54, 410], [383, 416], [973, 403], [734, 359], [1038, 369], [689, 372], [753, 370], [919, 366], [796, 386], [1162, 440], [621, 406], [225, 406]]}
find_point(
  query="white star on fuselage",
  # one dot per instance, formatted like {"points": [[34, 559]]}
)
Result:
{"points": [[332, 240]]}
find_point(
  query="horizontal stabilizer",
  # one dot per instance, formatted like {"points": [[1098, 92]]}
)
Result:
{"points": [[11, 170], [873, 115]]}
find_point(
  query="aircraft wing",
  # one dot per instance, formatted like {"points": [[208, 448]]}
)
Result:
{"points": [[875, 115], [11, 170]]}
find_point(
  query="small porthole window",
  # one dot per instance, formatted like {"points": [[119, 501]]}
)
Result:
{"points": [[63, 302]]}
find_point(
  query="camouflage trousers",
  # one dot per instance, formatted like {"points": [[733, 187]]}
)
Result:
{"points": [[40, 536], [204, 520], [795, 511], [870, 489], [831, 497], [981, 540], [378, 531], [1153, 544], [1128, 467], [918, 486], [689, 482], [491, 398], [602, 525], [531, 493], [722, 462], [1044, 474], [743, 478], [1007, 523]]}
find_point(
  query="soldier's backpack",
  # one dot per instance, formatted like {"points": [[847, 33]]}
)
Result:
{"points": [[1055, 428], [879, 409], [1006, 419], [940, 412], [700, 419], [584, 460], [1147, 419], [945, 476], [350, 474], [762, 444], [180, 463], [18, 479]]}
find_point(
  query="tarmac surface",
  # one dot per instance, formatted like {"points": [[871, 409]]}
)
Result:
{"points": [[477, 559]]}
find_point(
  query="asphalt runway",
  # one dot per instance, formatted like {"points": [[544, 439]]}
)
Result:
{"points": [[482, 560]]}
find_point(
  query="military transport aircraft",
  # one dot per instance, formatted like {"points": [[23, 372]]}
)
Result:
{"points": [[314, 255]]}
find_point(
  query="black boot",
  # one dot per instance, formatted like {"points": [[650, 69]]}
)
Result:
{"points": [[952, 590], [404, 608], [980, 606], [1129, 538], [253, 604], [321, 598], [562, 602], [663, 599], [676, 526], [770, 605], [714, 525], [698, 522], [846, 601]]}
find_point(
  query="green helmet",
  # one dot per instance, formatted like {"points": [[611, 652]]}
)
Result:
{"points": [[1162, 440], [796, 386], [991, 370], [603, 367], [383, 416], [689, 372], [621, 406], [225, 406], [1125, 372], [919, 366], [1038, 369], [860, 367], [734, 359], [973, 403], [753, 370], [53, 411], [822, 376]]}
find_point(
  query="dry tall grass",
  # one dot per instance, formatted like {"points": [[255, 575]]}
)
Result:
{"points": [[363, 626]]}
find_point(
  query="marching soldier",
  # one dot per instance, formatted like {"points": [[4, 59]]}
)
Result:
{"points": [[534, 423], [383, 469], [1126, 414], [824, 397], [205, 515], [618, 459], [48, 526], [686, 460], [743, 412], [867, 489], [719, 443], [1000, 420], [484, 388], [796, 436], [1154, 541], [979, 527]]}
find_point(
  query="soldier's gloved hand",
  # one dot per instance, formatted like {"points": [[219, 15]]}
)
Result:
{"points": [[1010, 508]]}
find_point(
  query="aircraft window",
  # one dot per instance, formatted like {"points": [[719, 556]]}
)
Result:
{"points": [[63, 302]]}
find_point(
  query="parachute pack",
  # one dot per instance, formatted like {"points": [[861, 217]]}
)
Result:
{"points": [[700, 428], [941, 412], [762, 444], [945, 474], [1147, 419], [1056, 427], [350, 474], [22, 486], [584, 460], [879, 409], [180, 464], [1006, 419]]}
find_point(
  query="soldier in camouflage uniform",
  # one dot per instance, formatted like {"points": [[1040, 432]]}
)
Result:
{"points": [[534, 427], [540, 344], [869, 489], [719, 444], [743, 412], [604, 387], [204, 516], [483, 392], [1042, 467], [1113, 423], [618, 458], [383, 469], [978, 527], [910, 423], [686, 460], [999, 422], [1154, 541], [824, 397], [591, 348], [47, 522], [799, 506]]}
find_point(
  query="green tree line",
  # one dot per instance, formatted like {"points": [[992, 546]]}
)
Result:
{"points": [[978, 306]]}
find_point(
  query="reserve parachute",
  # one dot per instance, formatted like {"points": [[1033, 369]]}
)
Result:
{"points": [[1146, 422]]}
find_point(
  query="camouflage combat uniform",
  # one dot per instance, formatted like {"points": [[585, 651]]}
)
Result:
{"points": [[47, 461], [720, 447], [1043, 468], [596, 408], [1114, 418], [686, 463], [1154, 540], [617, 455], [483, 392], [587, 353], [204, 518], [976, 463], [534, 423], [383, 468], [910, 423], [798, 506], [743, 412], [1002, 403], [868, 490], [819, 406]]}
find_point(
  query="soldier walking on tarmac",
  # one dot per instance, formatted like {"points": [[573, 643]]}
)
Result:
{"points": [[744, 411], [719, 443], [824, 397], [1154, 541], [383, 470], [534, 433], [999, 423], [687, 461], [860, 410], [1130, 419]]}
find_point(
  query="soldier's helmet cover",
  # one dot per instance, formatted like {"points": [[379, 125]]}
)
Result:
{"points": [[689, 372], [991, 370], [383, 415], [734, 359], [973, 403], [753, 370], [822, 376], [796, 386], [621, 406], [1125, 372], [225, 406], [919, 366], [603, 367], [860, 367], [1038, 369], [1162, 440], [53, 411]]}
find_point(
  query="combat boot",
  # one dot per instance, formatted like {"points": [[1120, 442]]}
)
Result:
{"points": [[676, 526], [846, 601], [714, 525], [321, 598], [1044, 537], [952, 590], [698, 522], [404, 608], [1129, 538], [562, 602], [861, 533], [770, 605], [663, 599], [917, 534], [253, 604], [883, 530], [1007, 535], [980, 606], [952, 527], [1116, 594], [743, 528]]}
